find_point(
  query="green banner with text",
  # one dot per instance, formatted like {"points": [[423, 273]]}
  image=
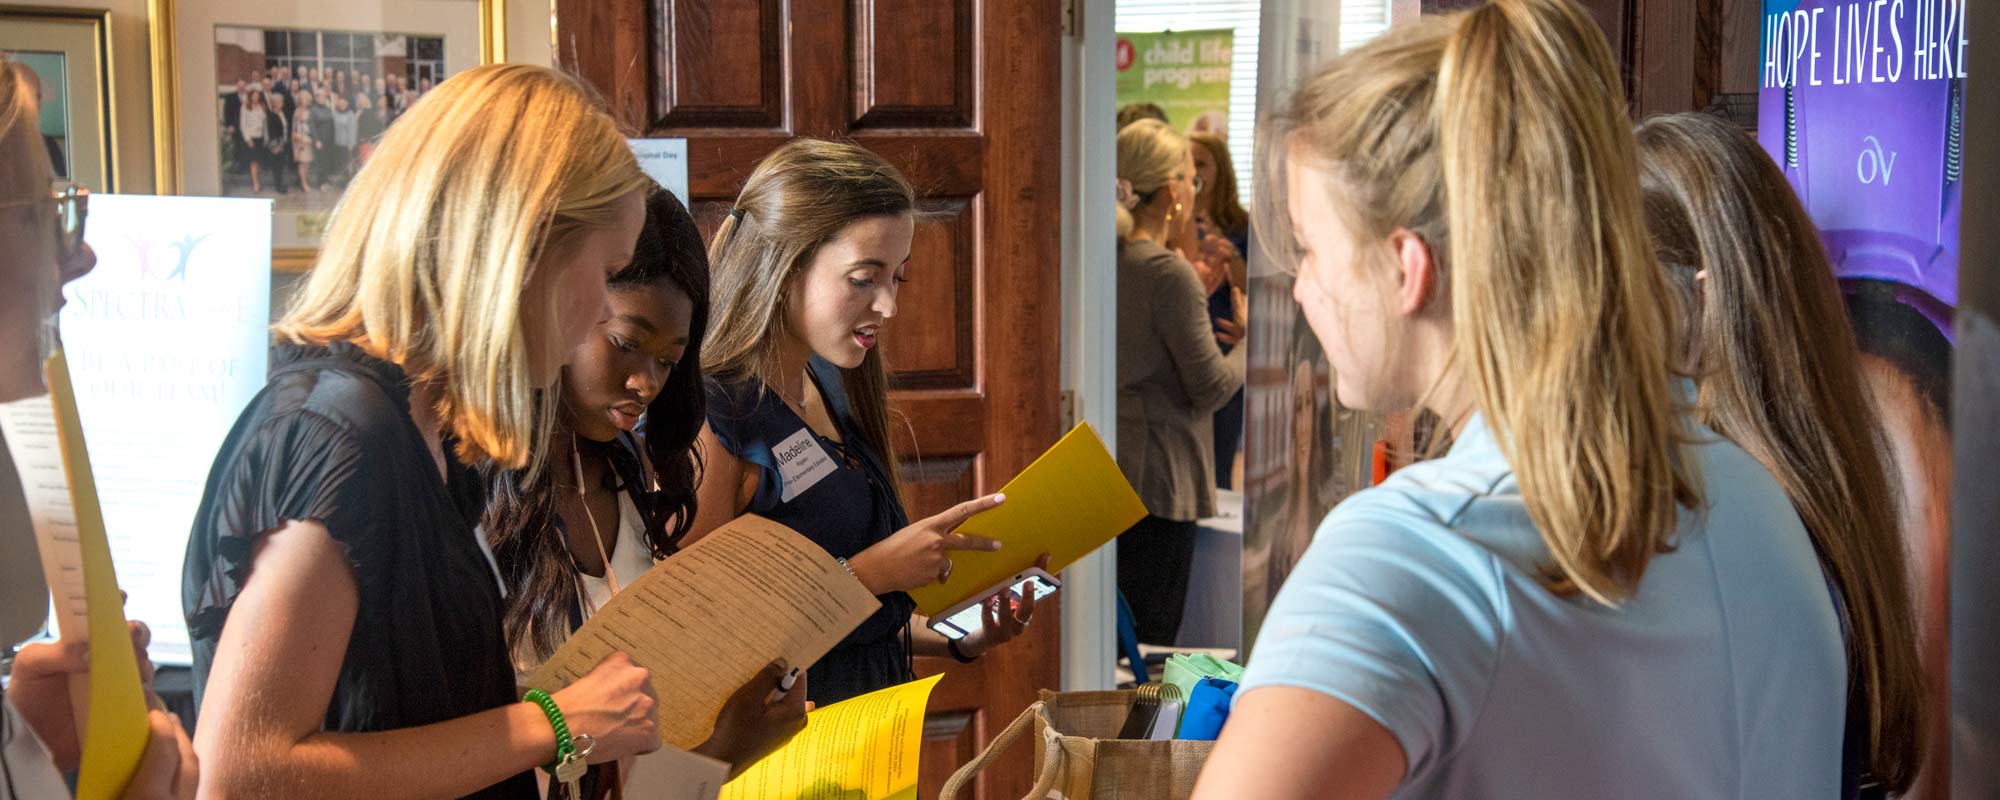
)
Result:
{"points": [[1186, 73]]}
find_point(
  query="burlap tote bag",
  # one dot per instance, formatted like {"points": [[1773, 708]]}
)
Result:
{"points": [[1079, 761]]}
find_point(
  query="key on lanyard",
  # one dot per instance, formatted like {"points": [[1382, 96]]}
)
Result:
{"points": [[571, 770]]}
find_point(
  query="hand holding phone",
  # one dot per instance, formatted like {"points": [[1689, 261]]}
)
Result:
{"points": [[1000, 605]]}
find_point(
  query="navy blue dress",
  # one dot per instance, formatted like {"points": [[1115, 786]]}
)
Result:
{"points": [[845, 512]]}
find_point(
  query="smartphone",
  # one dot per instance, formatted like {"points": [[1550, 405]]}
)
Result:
{"points": [[963, 618]]}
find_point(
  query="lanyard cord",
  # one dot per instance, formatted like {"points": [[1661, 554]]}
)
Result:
{"points": [[596, 534]]}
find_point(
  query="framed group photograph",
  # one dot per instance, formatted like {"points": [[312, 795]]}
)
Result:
{"points": [[287, 100], [66, 56]]}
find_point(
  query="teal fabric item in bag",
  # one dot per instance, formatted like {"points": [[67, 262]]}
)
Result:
{"points": [[1187, 669]]}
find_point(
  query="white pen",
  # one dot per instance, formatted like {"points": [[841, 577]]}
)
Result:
{"points": [[784, 686]]}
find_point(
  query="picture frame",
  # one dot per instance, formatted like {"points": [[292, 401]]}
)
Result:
{"points": [[69, 51], [283, 99]]}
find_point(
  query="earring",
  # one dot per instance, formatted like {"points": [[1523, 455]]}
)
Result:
{"points": [[1177, 209]]}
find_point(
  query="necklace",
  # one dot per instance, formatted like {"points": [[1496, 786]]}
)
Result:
{"points": [[596, 533]]}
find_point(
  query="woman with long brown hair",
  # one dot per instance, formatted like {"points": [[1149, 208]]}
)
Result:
{"points": [[1589, 594], [804, 271], [1777, 366]]}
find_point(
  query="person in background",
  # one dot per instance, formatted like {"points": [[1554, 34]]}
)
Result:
{"points": [[57, 161], [250, 137], [1589, 594], [345, 621], [327, 163], [277, 150], [1172, 377], [1133, 112], [1223, 228], [617, 502], [281, 84], [346, 134], [368, 129], [233, 104], [41, 249], [304, 149], [1769, 338], [806, 270]]}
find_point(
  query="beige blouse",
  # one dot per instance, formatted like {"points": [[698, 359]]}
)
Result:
{"points": [[1171, 379]]}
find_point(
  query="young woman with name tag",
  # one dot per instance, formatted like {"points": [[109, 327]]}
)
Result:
{"points": [[1589, 594], [346, 625], [616, 501], [805, 271]]}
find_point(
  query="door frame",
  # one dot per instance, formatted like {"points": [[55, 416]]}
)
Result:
{"points": [[1089, 316]]}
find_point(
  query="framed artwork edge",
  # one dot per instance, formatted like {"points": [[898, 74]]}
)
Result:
{"points": [[167, 165], [100, 19]]}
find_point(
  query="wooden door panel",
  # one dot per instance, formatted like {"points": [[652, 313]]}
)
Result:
{"points": [[914, 64], [957, 94], [931, 335], [725, 64], [951, 738], [937, 482]]}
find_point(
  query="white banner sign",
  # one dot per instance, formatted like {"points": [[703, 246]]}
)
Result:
{"points": [[168, 339]]}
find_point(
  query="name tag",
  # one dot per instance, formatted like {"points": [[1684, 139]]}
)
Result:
{"points": [[801, 463]]}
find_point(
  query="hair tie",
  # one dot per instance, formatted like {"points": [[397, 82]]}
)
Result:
{"points": [[736, 214], [1127, 198]]}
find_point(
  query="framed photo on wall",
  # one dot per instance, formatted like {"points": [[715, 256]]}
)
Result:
{"points": [[287, 100], [68, 53]]}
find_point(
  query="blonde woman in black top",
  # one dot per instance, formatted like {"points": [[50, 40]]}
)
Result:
{"points": [[346, 624]]}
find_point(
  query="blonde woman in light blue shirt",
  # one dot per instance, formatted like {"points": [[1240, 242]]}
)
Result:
{"points": [[1589, 594]]}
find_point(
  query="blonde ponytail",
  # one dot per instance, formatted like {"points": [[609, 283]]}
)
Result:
{"points": [[1498, 136], [1558, 308]]}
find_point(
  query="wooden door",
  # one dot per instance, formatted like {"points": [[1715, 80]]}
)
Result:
{"points": [[962, 96]]}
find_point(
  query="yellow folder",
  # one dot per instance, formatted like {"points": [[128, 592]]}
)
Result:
{"points": [[1068, 503], [862, 748], [115, 734]]}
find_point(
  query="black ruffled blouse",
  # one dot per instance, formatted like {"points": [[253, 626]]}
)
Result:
{"points": [[330, 439]]}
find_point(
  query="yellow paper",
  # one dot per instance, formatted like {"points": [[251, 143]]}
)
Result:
{"points": [[865, 748], [116, 733], [710, 618], [1069, 502]]}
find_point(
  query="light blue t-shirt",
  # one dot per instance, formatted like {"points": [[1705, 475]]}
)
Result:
{"points": [[1419, 604]]}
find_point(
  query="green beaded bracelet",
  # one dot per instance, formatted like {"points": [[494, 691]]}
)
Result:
{"points": [[564, 746]]}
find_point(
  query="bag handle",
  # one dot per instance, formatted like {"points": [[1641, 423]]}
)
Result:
{"points": [[1051, 756]]}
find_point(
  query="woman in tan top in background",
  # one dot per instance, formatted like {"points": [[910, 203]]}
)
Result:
{"points": [[1171, 376]]}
